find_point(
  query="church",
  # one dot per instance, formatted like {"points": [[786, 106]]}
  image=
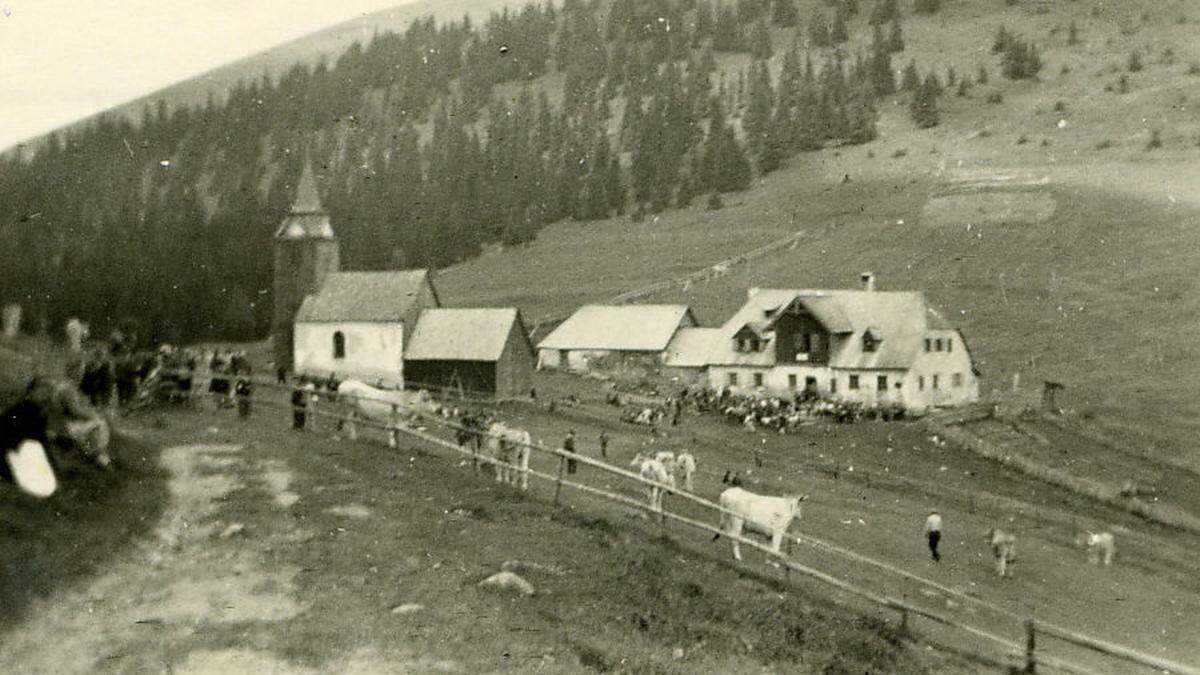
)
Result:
{"points": [[383, 327]]}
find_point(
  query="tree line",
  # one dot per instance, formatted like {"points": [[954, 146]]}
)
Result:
{"points": [[428, 144]]}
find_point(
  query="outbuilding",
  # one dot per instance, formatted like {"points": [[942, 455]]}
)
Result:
{"points": [[482, 352], [598, 332]]}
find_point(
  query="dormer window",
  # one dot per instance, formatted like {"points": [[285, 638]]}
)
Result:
{"points": [[870, 341]]}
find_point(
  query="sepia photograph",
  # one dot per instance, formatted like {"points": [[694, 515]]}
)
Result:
{"points": [[577, 336]]}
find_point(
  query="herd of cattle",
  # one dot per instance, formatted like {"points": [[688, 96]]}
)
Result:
{"points": [[54, 414]]}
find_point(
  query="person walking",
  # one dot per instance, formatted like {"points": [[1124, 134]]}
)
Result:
{"points": [[569, 446], [933, 532], [604, 444], [299, 407], [244, 391]]}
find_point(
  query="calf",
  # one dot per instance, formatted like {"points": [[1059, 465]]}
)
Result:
{"points": [[511, 448], [1100, 546], [1004, 550], [685, 465], [659, 479], [757, 513]]}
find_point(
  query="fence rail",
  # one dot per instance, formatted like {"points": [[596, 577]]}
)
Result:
{"points": [[1025, 653]]}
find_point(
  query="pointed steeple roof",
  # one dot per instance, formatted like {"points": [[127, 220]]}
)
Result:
{"points": [[307, 218], [307, 199]]}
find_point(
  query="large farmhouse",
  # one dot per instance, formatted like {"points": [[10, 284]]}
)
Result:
{"points": [[593, 332], [378, 326], [862, 345]]}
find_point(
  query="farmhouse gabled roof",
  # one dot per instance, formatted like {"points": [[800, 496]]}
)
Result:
{"points": [[632, 328], [898, 320], [691, 347], [364, 296], [462, 334]]}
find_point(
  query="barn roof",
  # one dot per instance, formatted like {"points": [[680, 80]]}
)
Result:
{"points": [[691, 347], [307, 218], [364, 296], [462, 334], [898, 319], [634, 328]]}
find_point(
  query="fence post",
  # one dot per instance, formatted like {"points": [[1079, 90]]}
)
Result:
{"points": [[558, 482], [904, 620], [393, 428], [1030, 646]]}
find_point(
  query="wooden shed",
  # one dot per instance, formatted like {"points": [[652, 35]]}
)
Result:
{"points": [[473, 351]]}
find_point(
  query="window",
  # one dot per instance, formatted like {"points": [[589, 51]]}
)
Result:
{"points": [[957, 379], [758, 379], [949, 344], [732, 379], [814, 342], [754, 344], [935, 381], [854, 382], [881, 383], [792, 381], [928, 345], [833, 385], [810, 385], [869, 343], [937, 345], [339, 345], [920, 383]]}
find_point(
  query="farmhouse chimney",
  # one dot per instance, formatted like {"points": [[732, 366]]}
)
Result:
{"points": [[868, 281]]}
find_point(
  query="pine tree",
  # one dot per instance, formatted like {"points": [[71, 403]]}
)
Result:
{"points": [[910, 80], [926, 6], [818, 31], [982, 77], [785, 14], [924, 104], [758, 115], [760, 41], [839, 33], [1001, 41], [896, 38]]}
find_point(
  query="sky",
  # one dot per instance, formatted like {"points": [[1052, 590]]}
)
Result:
{"points": [[61, 60]]}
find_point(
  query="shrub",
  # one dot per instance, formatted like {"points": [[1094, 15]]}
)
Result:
{"points": [[900, 152], [1134, 64], [927, 6], [1104, 144], [714, 202], [1065, 70], [1155, 141], [1022, 139], [1123, 84], [994, 97], [1193, 68], [1060, 106]]}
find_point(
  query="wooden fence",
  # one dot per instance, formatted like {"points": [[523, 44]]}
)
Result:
{"points": [[1026, 652]]}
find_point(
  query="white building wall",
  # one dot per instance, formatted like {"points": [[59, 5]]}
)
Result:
{"points": [[374, 351], [943, 377], [790, 380]]}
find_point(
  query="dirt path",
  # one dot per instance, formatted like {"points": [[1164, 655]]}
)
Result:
{"points": [[197, 573]]}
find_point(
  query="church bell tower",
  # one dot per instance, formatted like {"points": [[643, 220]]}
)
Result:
{"points": [[306, 253]]}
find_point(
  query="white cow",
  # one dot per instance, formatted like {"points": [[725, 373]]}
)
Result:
{"points": [[653, 470], [685, 466], [1004, 550], [510, 447], [1100, 546], [670, 463], [757, 513], [384, 406]]}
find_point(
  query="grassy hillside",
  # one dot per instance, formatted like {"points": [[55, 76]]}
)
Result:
{"points": [[1085, 275]]}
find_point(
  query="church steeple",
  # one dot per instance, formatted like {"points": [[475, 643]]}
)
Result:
{"points": [[307, 199], [306, 253], [307, 218]]}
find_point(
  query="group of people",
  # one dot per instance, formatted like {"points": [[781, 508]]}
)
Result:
{"points": [[781, 414]]}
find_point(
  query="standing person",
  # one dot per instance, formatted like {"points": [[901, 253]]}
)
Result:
{"points": [[281, 375], [569, 446], [243, 390], [299, 407], [933, 532], [604, 444]]}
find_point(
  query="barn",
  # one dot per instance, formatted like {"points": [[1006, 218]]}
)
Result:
{"points": [[597, 332], [480, 351], [358, 324]]}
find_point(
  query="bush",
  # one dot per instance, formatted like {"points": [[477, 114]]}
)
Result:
{"points": [[1104, 144], [1022, 139], [1155, 141], [1060, 106], [714, 202], [994, 97], [900, 152], [1193, 68], [1134, 64], [927, 6]]}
